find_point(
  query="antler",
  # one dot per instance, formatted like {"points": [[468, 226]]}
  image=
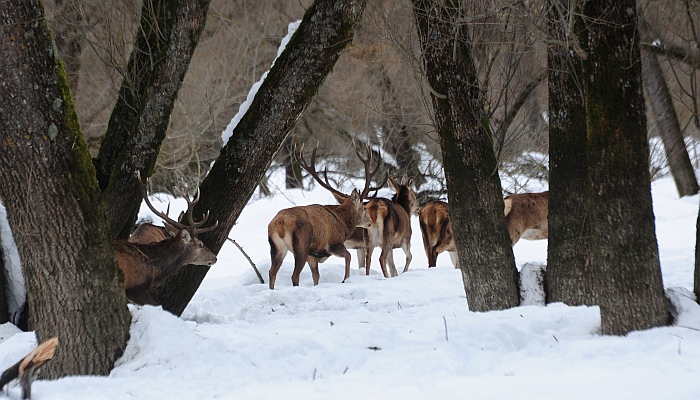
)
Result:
{"points": [[311, 169], [366, 161], [193, 227]]}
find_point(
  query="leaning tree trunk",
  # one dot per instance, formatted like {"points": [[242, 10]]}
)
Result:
{"points": [[569, 274], [325, 31], [139, 121], [623, 241], [669, 128], [53, 202], [476, 203]]}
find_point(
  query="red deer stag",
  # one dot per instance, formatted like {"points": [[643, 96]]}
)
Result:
{"points": [[315, 232], [526, 217], [391, 220], [147, 261]]}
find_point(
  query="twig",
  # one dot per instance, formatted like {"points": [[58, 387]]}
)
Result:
{"points": [[447, 339], [249, 260]]}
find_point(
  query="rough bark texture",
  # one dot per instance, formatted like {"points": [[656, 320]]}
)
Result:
{"points": [[669, 128], [4, 309], [325, 31], [569, 272], [154, 102], [53, 203], [397, 135], [476, 203], [623, 245]]}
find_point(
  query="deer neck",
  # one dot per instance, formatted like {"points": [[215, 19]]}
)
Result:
{"points": [[346, 215], [401, 199]]}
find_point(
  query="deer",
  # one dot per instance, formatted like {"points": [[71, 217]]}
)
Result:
{"points": [[156, 253], [391, 220], [526, 217], [315, 232]]}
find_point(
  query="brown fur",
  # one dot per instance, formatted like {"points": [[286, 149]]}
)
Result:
{"points": [[391, 225], [313, 233], [147, 264], [149, 233], [436, 230], [526, 216]]}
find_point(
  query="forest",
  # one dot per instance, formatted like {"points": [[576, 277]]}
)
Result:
{"points": [[454, 94]]}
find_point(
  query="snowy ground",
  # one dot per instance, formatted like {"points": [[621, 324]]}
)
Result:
{"points": [[407, 337]]}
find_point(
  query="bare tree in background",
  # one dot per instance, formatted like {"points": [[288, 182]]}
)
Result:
{"points": [[476, 207], [664, 114]]}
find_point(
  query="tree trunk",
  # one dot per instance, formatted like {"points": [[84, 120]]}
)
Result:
{"points": [[4, 308], [139, 121], [325, 31], [476, 203], [669, 128], [398, 138], [569, 271], [623, 241], [53, 202]]}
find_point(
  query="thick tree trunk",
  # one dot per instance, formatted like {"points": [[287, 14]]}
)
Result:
{"points": [[325, 31], [476, 203], [623, 245], [669, 128], [569, 272], [53, 202], [140, 119]]}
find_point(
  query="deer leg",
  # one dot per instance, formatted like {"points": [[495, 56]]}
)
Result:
{"points": [[277, 258], [454, 258], [390, 261], [299, 262], [382, 263], [407, 251], [361, 254], [313, 264]]}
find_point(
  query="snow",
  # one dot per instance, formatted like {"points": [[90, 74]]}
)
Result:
{"points": [[412, 336]]}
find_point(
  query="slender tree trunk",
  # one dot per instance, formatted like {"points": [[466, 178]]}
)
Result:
{"points": [[569, 272], [476, 204], [53, 202], [140, 119], [623, 245], [669, 128], [325, 31], [398, 138]]}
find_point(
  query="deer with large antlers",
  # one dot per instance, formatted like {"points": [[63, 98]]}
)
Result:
{"points": [[315, 232], [153, 253], [391, 219], [526, 217]]}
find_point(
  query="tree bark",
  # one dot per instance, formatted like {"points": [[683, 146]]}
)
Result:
{"points": [[623, 245], [569, 271], [140, 119], [325, 31], [669, 128], [476, 204], [53, 203]]}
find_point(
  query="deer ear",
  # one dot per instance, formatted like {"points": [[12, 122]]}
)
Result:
{"points": [[355, 196], [185, 235], [392, 184]]}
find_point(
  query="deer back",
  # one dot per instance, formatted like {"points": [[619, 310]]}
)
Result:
{"points": [[149, 233], [527, 216]]}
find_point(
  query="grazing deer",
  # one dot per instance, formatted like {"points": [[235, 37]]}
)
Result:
{"points": [[315, 232], [146, 261], [526, 217]]}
